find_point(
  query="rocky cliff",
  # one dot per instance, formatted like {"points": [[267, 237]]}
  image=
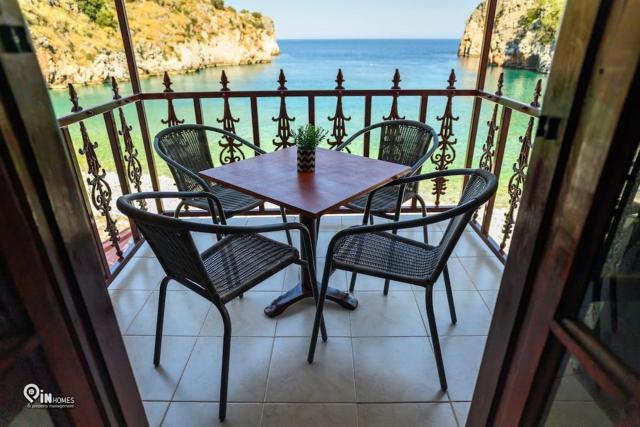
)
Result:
{"points": [[524, 33], [78, 41]]}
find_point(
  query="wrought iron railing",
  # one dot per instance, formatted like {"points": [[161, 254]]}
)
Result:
{"points": [[117, 239]]}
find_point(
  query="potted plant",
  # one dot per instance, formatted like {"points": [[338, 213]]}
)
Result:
{"points": [[307, 138]]}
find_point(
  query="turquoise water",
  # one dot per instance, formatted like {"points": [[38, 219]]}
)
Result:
{"points": [[313, 64]]}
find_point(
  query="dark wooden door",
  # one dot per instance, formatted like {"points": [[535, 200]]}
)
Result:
{"points": [[563, 347], [58, 332]]}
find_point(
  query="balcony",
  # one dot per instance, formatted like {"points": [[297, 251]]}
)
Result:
{"points": [[377, 364], [377, 367], [134, 166]]}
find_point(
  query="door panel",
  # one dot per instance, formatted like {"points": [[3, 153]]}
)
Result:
{"points": [[576, 319]]}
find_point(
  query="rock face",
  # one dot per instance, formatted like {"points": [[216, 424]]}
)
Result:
{"points": [[78, 41], [524, 33]]}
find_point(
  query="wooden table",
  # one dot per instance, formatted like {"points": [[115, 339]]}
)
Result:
{"points": [[339, 178]]}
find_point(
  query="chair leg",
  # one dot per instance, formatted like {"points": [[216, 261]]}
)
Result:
{"points": [[316, 322], [160, 320], [434, 338], [314, 290], [396, 218], [423, 208], [447, 285], [284, 219], [354, 275], [226, 351], [385, 292], [352, 284]]}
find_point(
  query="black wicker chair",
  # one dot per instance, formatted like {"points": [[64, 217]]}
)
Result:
{"points": [[185, 148], [374, 250], [406, 142], [239, 261]]}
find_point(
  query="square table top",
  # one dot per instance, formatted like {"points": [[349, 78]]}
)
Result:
{"points": [[338, 179]]}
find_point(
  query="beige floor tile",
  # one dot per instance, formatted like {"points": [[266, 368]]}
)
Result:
{"points": [[440, 226], [460, 279], [184, 314], [396, 314], [571, 389], [247, 370], [337, 280], [461, 410], [396, 370], [328, 379], [282, 280], [576, 414], [155, 412], [490, 297], [324, 237], [247, 316], [28, 417], [127, 304], [462, 356], [268, 219], [199, 414], [238, 220], [139, 274], [144, 251], [471, 245], [406, 415], [158, 383], [485, 271], [297, 320], [366, 283], [331, 223], [473, 315], [351, 220], [309, 415], [204, 241]]}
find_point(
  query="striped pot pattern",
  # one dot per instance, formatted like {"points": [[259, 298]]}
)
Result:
{"points": [[306, 160]]}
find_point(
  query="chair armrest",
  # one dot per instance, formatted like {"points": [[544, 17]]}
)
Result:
{"points": [[125, 204], [469, 205]]}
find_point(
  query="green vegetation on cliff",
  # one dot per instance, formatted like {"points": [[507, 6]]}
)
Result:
{"points": [[78, 41], [524, 33], [544, 19]]}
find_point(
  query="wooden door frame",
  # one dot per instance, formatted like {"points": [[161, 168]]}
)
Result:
{"points": [[47, 240], [594, 60]]}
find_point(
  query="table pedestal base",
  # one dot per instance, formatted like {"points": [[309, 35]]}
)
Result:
{"points": [[295, 294]]}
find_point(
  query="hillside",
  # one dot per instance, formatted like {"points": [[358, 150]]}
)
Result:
{"points": [[78, 41], [524, 33]]}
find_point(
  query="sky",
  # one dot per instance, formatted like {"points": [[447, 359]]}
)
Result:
{"points": [[304, 19]]}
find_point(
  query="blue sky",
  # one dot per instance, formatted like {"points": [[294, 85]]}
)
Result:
{"points": [[364, 18]]}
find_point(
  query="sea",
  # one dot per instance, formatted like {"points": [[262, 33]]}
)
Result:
{"points": [[313, 64]]}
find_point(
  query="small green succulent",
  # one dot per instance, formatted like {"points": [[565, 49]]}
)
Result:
{"points": [[309, 137]]}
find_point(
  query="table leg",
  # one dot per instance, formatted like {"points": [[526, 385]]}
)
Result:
{"points": [[303, 289]]}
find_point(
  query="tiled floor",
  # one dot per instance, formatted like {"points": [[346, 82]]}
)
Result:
{"points": [[377, 368]]}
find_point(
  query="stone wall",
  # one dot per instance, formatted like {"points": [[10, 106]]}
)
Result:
{"points": [[75, 44], [524, 33]]}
